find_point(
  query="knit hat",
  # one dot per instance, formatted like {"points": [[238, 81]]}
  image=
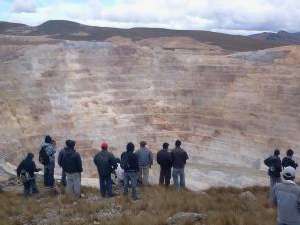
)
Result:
{"points": [[289, 172], [104, 145]]}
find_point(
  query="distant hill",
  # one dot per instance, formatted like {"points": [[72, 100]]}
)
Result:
{"points": [[279, 37], [67, 30]]}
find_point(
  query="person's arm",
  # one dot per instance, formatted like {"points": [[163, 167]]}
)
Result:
{"points": [[34, 167], [79, 162], [20, 167], [158, 158]]}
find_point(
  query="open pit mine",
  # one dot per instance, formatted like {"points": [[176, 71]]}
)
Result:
{"points": [[230, 107]]}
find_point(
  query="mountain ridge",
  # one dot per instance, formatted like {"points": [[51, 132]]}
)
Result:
{"points": [[68, 30]]}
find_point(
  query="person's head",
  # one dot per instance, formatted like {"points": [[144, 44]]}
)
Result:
{"points": [[48, 139], [104, 146], [70, 144], [290, 152], [143, 144], [30, 156], [289, 173], [177, 143], [165, 145], [276, 152], [130, 147]]}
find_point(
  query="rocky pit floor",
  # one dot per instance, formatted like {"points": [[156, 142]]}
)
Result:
{"points": [[221, 206]]}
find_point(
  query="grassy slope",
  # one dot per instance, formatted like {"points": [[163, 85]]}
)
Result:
{"points": [[222, 205]]}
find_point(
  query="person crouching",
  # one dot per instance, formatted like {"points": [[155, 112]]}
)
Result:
{"points": [[25, 173]]}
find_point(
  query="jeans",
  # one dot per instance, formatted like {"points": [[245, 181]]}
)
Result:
{"points": [[49, 175], [132, 178], [63, 178], [178, 174], [165, 176], [73, 184], [144, 175], [106, 186], [30, 187]]}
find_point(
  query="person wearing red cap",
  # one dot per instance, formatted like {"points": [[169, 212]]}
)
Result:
{"points": [[106, 163]]}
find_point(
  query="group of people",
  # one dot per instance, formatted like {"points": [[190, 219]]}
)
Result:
{"points": [[284, 192], [132, 168]]}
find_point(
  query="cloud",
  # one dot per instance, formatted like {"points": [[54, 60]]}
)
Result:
{"points": [[23, 6], [229, 16]]}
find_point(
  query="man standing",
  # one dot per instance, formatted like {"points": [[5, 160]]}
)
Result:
{"points": [[129, 163], [179, 157], [47, 158], [72, 165], [106, 163], [164, 159], [25, 172], [274, 164], [145, 159], [59, 161], [288, 160], [286, 197]]}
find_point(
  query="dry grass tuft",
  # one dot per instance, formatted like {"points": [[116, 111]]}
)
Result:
{"points": [[222, 205]]}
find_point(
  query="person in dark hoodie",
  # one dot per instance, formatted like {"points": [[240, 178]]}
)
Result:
{"points": [[106, 164], [164, 159], [288, 160], [179, 158], [274, 164], [59, 161], [130, 165], [72, 165], [25, 172]]}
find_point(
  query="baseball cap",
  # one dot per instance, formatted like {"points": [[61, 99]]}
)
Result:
{"points": [[289, 172], [104, 145]]}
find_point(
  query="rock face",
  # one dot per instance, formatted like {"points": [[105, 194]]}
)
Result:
{"points": [[230, 109]]}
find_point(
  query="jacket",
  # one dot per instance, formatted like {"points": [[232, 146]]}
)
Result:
{"points": [[106, 163], [71, 161], [145, 157], [179, 157], [274, 164], [286, 196], [164, 158], [28, 165], [129, 162], [288, 161], [50, 150]]}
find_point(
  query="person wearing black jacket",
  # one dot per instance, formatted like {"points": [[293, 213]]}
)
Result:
{"points": [[25, 172], [130, 165], [288, 160], [164, 159], [275, 168], [72, 165], [179, 158], [106, 164]]}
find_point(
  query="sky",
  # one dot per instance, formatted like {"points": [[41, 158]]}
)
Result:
{"points": [[226, 16]]}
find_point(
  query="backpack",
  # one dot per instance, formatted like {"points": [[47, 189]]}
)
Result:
{"points": [[43, 156], [124, 161], [24, 176], [128, 161]]}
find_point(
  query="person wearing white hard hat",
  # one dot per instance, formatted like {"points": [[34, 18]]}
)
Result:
{"points": [[286, 197]]}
